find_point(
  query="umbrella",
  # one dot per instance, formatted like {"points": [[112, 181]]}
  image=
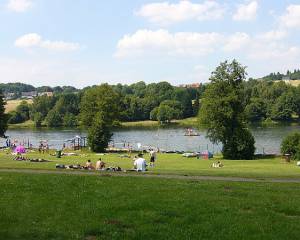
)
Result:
{"points": [[20, 149]]}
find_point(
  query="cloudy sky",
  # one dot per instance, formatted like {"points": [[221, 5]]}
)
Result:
{"points": [[85, 42]]}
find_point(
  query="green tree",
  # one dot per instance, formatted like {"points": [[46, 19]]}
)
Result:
{"points": [[100, 99], [222, 109], [70, 120], [284, 107], [99, 134], [54, 119], [24, 109], [38, 119], [15, 117], [3, 116], [256, 110], [291, 145]]}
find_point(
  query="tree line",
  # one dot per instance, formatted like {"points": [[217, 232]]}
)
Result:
{"points": [[263, 100], [136, 102]]}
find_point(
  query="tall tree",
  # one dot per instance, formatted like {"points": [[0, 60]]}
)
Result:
{"points": [[100, 99], [222, 109], [3, 116]]}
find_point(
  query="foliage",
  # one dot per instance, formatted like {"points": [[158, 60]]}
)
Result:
{"points": [[3, 116], [53, 119], [291, 145], [99, 134], [101, 99], [222, 109], [37, 118], [256, 110], [15, 117], [70, 120]]}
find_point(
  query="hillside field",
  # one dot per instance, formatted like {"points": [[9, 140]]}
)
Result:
{"points": [[11, 105]]}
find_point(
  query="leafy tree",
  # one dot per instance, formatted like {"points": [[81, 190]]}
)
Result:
{"points": [[43, 105], [196, 105], [3, 116], [70, 120], [284, 107], [54, 119], [38, 119], [99, 134], [153, 113], [182, 95], [291, 145], [222, 109], [256, 110], [101, 99], [68, 103], [15, 117], [24, 110], [164, 113]]}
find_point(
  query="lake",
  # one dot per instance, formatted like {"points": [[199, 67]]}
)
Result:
{"points": [[268, 139]]}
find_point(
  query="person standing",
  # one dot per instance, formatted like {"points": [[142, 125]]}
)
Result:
{"points": [[152, 157]]}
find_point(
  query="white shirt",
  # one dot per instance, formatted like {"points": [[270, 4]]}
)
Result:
{"points": [[140, 164]]}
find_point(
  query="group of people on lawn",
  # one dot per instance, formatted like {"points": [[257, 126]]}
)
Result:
{"points": [[139, 163]]}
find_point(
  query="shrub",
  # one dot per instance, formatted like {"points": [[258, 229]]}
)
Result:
{"points": [[291, 145]]}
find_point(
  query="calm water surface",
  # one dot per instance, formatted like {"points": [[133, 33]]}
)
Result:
{"points": [[267, 139]]}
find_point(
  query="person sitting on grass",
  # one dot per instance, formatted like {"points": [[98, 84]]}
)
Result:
{"points": [[217, 165], [89, 165], [140, 164], [100, 165]]}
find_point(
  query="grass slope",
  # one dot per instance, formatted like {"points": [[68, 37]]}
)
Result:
{"points": [[89, 207], [169, 164], [11, 105]]}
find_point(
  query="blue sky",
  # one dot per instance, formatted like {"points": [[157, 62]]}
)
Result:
{"points": [[85, 42]]}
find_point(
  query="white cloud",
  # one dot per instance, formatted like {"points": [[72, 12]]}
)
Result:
{"points": [[273, 51], [35, 40], [291, 18], [165, 13], [237, 41], [273, 35], [19, 5], [163, 42], [246, 12], [28, 40]]}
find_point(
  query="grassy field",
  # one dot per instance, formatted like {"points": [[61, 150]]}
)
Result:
{"points": [[11, 105], [188, 122], [169, 164], [37, 206]]}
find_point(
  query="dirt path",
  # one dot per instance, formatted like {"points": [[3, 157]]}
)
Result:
{"points": [[145, 175]]}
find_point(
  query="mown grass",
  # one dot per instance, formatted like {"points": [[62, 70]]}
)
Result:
{"points": [[169, 164], [187, 122], [26, 124], [38, 206]]}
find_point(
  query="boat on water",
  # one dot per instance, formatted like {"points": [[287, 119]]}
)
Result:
{"points": [[191, 133]]}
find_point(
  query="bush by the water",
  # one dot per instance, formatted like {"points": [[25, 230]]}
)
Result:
{"points": [[291, 145]]}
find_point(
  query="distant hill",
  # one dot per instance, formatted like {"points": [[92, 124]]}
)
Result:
{"points": [[290, 75], [14, 90]]}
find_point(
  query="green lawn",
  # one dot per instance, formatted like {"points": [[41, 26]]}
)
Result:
{"points": [[170, 164], [42, 206]]}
